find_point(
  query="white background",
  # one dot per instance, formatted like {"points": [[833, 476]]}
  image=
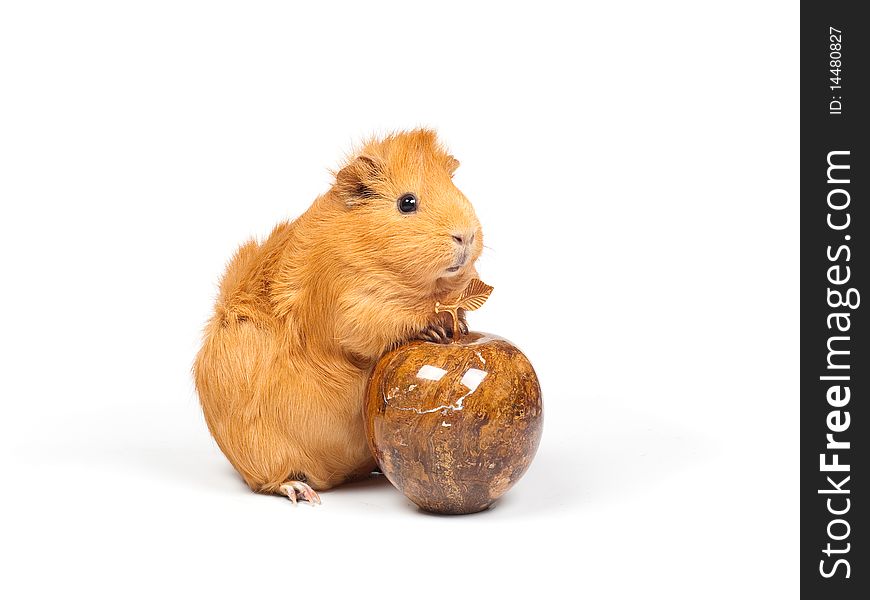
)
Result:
{"points": [[635, 170]]}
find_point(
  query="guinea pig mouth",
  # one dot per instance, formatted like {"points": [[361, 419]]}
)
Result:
{"points": [[459, 263]]}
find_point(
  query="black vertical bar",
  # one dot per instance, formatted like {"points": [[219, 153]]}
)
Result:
{"points": [[835, 371]]}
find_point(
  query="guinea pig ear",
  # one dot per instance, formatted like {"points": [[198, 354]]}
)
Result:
{"points": [[354, 182], [452, 164]]}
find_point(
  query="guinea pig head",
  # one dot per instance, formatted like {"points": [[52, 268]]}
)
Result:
{"points": [[405, 215]]}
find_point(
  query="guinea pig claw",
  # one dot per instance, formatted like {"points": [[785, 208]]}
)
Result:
{"points": [[288, 491], [438, 333], [298, 489], [308, 494], [435, 333]]}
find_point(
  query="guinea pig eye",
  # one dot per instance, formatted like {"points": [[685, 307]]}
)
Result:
{"points": [[407, 203]]}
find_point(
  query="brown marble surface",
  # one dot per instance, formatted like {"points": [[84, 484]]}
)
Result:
{"points": [[454, 426]]}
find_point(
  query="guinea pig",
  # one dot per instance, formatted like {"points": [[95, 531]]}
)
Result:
{"points": [[301, 318]]}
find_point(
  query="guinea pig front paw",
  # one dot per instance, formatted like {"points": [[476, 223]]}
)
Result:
{"points": [[441, 331], [435, 333]]}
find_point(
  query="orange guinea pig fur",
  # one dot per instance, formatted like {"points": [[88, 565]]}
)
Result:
{"points": [[302, 317]]}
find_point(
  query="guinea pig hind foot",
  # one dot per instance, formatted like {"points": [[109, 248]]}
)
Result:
{"points": [[298, 489]]}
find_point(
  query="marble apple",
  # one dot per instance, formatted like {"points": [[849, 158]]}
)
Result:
{"points": [[455, 425]]}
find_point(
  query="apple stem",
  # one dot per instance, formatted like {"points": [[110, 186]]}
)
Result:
{"points": [[454, 312]]}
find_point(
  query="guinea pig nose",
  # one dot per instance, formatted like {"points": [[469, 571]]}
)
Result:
{"points": [[462, 237]]}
